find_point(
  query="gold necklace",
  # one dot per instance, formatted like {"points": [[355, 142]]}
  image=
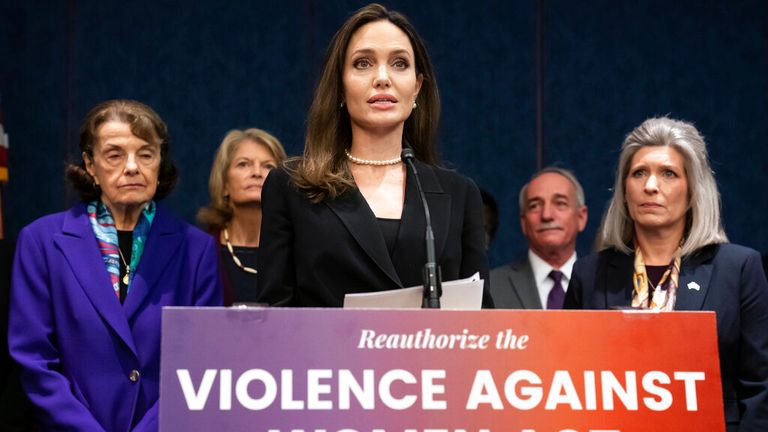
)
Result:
{"points": [[234, 257], [126, 278]]}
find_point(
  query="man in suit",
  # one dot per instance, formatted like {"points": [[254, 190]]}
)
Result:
{"points": [[552, 213]]}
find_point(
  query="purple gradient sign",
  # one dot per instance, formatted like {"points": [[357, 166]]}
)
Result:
{"points": [[335, 370]]}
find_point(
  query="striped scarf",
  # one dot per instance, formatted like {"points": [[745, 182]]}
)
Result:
{"points": [[106, 235]]}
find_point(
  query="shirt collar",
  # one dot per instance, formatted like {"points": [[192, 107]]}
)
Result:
{"points": [[541, 268]]}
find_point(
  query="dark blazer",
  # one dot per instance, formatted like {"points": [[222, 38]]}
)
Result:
{"points": [[514, 287], [314, 254], [88, 362], [733, 284]]}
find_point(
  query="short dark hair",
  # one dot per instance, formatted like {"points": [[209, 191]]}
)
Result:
{"points": [[145, 123], [569, 175]]}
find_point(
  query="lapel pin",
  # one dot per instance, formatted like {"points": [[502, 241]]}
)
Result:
{"points": [[694, 286]]}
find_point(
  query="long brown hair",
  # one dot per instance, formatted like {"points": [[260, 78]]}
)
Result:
{"points": [[322, 171]]}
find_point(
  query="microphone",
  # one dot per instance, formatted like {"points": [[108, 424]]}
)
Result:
{"points": [[432, 278]]}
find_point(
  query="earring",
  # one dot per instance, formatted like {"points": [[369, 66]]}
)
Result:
{"points": [[341, 105], [414, 105]]}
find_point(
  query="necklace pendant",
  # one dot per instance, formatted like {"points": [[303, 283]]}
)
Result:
{"points": [[126, 277]]}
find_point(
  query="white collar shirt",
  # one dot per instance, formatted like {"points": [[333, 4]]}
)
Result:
{"points": [[541, 270]]}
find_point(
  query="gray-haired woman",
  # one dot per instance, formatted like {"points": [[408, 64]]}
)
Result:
{"points": [[663, 231]]}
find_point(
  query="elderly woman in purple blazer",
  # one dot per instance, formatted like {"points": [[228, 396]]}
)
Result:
{"points": [[89, 283]]}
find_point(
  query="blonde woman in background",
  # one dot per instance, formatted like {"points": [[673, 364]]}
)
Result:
{"points": [[242, 162]]}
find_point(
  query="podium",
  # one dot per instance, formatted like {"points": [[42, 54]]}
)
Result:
{"points": [[332, 370]]}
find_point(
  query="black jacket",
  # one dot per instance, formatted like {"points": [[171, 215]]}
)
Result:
{"points": [[312, 254], [727, 279]]}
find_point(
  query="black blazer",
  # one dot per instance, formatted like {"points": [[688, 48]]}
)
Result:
{"points": [[311, 254], [731, 283]]}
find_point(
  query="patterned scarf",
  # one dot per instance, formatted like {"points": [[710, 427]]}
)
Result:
{"points": [[106, 235], [664, 295]]}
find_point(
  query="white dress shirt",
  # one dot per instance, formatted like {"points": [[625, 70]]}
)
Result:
{"points": [[541, 270]]}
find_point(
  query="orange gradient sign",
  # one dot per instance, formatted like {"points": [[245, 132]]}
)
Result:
{"points": [[338, 370]]}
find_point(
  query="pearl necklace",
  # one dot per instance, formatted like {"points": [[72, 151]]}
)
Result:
{"points": [[234, 257], [374, 162]]}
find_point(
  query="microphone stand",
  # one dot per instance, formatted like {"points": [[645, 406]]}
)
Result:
{"points": [[431, 274]]}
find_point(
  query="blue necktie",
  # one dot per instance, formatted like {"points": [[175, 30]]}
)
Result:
{"points": [[556, 296]]}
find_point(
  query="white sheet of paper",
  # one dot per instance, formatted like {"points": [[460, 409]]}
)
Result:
{"points": [[462, 294]]}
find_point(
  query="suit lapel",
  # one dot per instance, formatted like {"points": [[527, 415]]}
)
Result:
{"points": [[695, 274], [524, 285], [79, 246], [413, 218], [360, 221], [409, 254], [618, 280], [163, 241]]}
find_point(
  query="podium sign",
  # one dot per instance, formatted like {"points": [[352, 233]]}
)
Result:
{"points": [[332, 370]]}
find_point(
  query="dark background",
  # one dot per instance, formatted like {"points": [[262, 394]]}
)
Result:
{"points": [[206, 67]]}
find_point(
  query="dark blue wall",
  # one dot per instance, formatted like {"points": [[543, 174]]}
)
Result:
{"points": [[208, 67]]}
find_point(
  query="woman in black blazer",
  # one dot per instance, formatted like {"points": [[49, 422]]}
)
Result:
{"points": [[664, 248], [347, 217]]}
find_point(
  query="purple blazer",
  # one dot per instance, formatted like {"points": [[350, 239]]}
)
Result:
{"points": [[88, 362]]}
